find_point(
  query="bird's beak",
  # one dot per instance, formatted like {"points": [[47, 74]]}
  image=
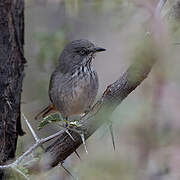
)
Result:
{"points": [[97, 49]]}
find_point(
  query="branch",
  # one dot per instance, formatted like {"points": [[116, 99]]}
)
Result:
{"points": [[115, 93], [39, 142], [99, 114], [101, 111]]}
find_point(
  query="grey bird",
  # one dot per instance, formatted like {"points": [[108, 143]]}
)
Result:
{"points": [[74, 83]]}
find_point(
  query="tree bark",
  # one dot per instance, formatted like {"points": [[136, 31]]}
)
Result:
{"points": [[11, 75]]}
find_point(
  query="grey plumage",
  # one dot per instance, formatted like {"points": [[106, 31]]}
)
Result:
{"points": [[74, 83]]}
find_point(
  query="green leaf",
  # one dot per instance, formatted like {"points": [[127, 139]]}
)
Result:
{"points": [[49, 119]]}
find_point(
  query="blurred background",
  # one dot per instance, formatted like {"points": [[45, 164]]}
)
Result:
{"points": [[146, 124]]}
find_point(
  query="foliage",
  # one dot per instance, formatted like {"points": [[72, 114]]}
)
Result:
{"points": [[49, 119]]}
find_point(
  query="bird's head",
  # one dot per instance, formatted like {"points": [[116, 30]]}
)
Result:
{"points": [[77, 53]]}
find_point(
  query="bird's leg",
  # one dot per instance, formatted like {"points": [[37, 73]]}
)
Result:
{"points": [[112, 134]]}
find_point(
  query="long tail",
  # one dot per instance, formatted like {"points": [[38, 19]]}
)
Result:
{"points": [[46, 111]]}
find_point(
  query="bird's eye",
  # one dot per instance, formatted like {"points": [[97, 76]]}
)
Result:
{"points": [[82, 51]]}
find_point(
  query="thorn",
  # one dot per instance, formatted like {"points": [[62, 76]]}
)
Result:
{"points": [[67, 131], [31, 129], [84, 143], [82, 137], [67, 171], [74, 141], [112, 135], [77, 155]]}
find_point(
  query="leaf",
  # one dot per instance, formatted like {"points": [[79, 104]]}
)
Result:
{"points": [[49, 119]]}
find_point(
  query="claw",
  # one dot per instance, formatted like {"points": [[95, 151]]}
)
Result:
{"points": [[112, 135]]}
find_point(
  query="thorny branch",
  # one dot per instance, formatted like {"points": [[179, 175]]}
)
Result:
{"points": [[115, 93], [38, 143]]}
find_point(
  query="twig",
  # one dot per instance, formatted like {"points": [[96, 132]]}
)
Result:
{"points": [[35, 136], [38, 143]]}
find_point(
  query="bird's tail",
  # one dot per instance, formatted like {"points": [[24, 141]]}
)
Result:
{"points": [[46, 111]]}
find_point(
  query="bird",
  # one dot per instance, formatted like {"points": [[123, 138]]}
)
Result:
{"points": [[74, 83]]}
